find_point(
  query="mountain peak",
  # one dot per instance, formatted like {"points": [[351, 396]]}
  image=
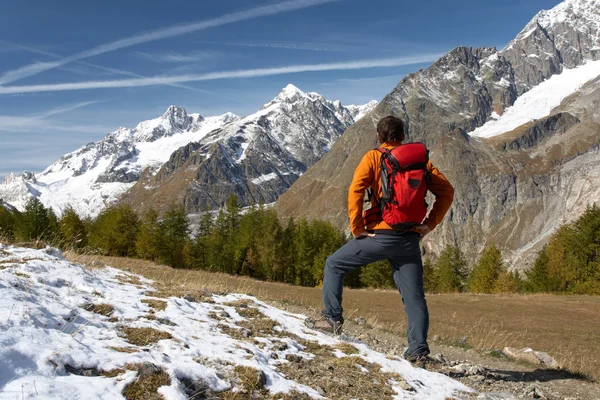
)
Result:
{"points": [[291, 90], [174, 111]]}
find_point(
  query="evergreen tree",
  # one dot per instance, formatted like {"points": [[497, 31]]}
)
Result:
{"points": [[429, 283], [8, 220], [72, 230], [221, 257], [287, 252], [174, 233], [450, 270], [200, 249], [538, 279], [508, 282], [34, 223], [377, 275], [485, 273], [53, 234], [148, 240], [114, 231]]}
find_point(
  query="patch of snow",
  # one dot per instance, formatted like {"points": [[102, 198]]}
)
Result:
{"points": [[44, 328], [539, 101], [264, 178]]}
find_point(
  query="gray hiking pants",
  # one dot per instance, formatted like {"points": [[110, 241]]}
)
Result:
{"points": [[404, 255]]}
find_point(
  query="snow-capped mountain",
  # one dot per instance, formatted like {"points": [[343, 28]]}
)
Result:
{"points": [[257, 157], [516, 131], [563, 37], [99, 173]]}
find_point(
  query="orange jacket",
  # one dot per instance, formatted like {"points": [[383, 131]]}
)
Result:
{"points": [[367, 175]]}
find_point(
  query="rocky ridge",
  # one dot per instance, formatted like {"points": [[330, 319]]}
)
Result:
{"points": [[257, 157]]}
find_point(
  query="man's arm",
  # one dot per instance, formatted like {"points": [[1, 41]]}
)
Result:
{"points": [[362, 180], [444, 195]]}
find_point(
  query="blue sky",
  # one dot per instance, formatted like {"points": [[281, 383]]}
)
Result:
{"points": [[71, 71]]}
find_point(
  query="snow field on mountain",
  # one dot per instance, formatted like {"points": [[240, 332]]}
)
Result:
{"points": [[47, 332], [540, 101]]}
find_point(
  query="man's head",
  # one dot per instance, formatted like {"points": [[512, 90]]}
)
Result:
{"points": [[390, 129]]}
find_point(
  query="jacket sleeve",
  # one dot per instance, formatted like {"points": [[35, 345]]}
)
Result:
{"points": [[444, 195], [362, 180]]}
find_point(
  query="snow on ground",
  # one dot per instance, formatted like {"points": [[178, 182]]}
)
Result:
{"points": [[45, 332], [539, 101]]}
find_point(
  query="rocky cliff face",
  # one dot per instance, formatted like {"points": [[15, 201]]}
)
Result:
{"points": [[513, 189], [257, 157]]}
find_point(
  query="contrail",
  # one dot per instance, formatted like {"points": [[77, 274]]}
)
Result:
{"points": [[177, 30], [100, 67], [247, 73]]}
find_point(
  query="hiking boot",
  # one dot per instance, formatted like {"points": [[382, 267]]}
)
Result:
{"points": [[417, 358], [324, 324]]}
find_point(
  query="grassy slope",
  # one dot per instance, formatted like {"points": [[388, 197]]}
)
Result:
{"points": [[564, 326]]}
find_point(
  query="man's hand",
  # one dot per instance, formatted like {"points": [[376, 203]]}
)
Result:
{"points": [[422, 229], [363, 234]]}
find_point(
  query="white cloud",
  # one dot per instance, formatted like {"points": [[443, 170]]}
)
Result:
{"points": [[247, 73], [177, 30]]}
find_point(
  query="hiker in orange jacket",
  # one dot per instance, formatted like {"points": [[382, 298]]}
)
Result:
{"points": [[379, 241]]}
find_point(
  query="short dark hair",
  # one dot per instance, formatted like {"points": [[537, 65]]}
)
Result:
{"points": [[390, 129]]}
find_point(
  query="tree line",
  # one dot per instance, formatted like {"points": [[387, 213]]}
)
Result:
{"points": [[255, 243]]}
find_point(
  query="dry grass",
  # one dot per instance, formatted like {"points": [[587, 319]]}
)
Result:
{"points": [[563, 326], [347, 348], [145, 388], [125, 349], [133, 280], [22, 275], [102, 308], [144, 336], [250, 381], [158, 305], [348, 377]]}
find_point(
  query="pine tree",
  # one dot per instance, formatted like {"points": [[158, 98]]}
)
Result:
{"points": [[508, 282], [52, 233], [585, 253], [287, 252], [72, 230], [538, 278], [200, 249], [450, 270], [8, 221], [221, 257], [34, 223], [114, 231], [174, 233], [429, 283], [485, 273], [148, 239], [377, 275]]}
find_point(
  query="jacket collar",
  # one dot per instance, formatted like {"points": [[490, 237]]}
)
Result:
{"points": [[391, 145]]}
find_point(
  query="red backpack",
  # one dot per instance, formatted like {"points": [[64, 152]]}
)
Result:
{"points": [[404, 186]]}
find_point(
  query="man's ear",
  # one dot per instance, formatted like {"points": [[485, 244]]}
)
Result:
{"points": [[379, 137]]}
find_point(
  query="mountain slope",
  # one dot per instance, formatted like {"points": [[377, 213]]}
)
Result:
{"points": [[257, 157], [100, 173], [471, 88], [98, 331]]}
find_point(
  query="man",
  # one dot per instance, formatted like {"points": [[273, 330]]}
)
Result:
{"points": [[379, 241]]}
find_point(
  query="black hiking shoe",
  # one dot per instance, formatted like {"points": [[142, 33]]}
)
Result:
{"points": [[419, 359], [324, 324]]}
